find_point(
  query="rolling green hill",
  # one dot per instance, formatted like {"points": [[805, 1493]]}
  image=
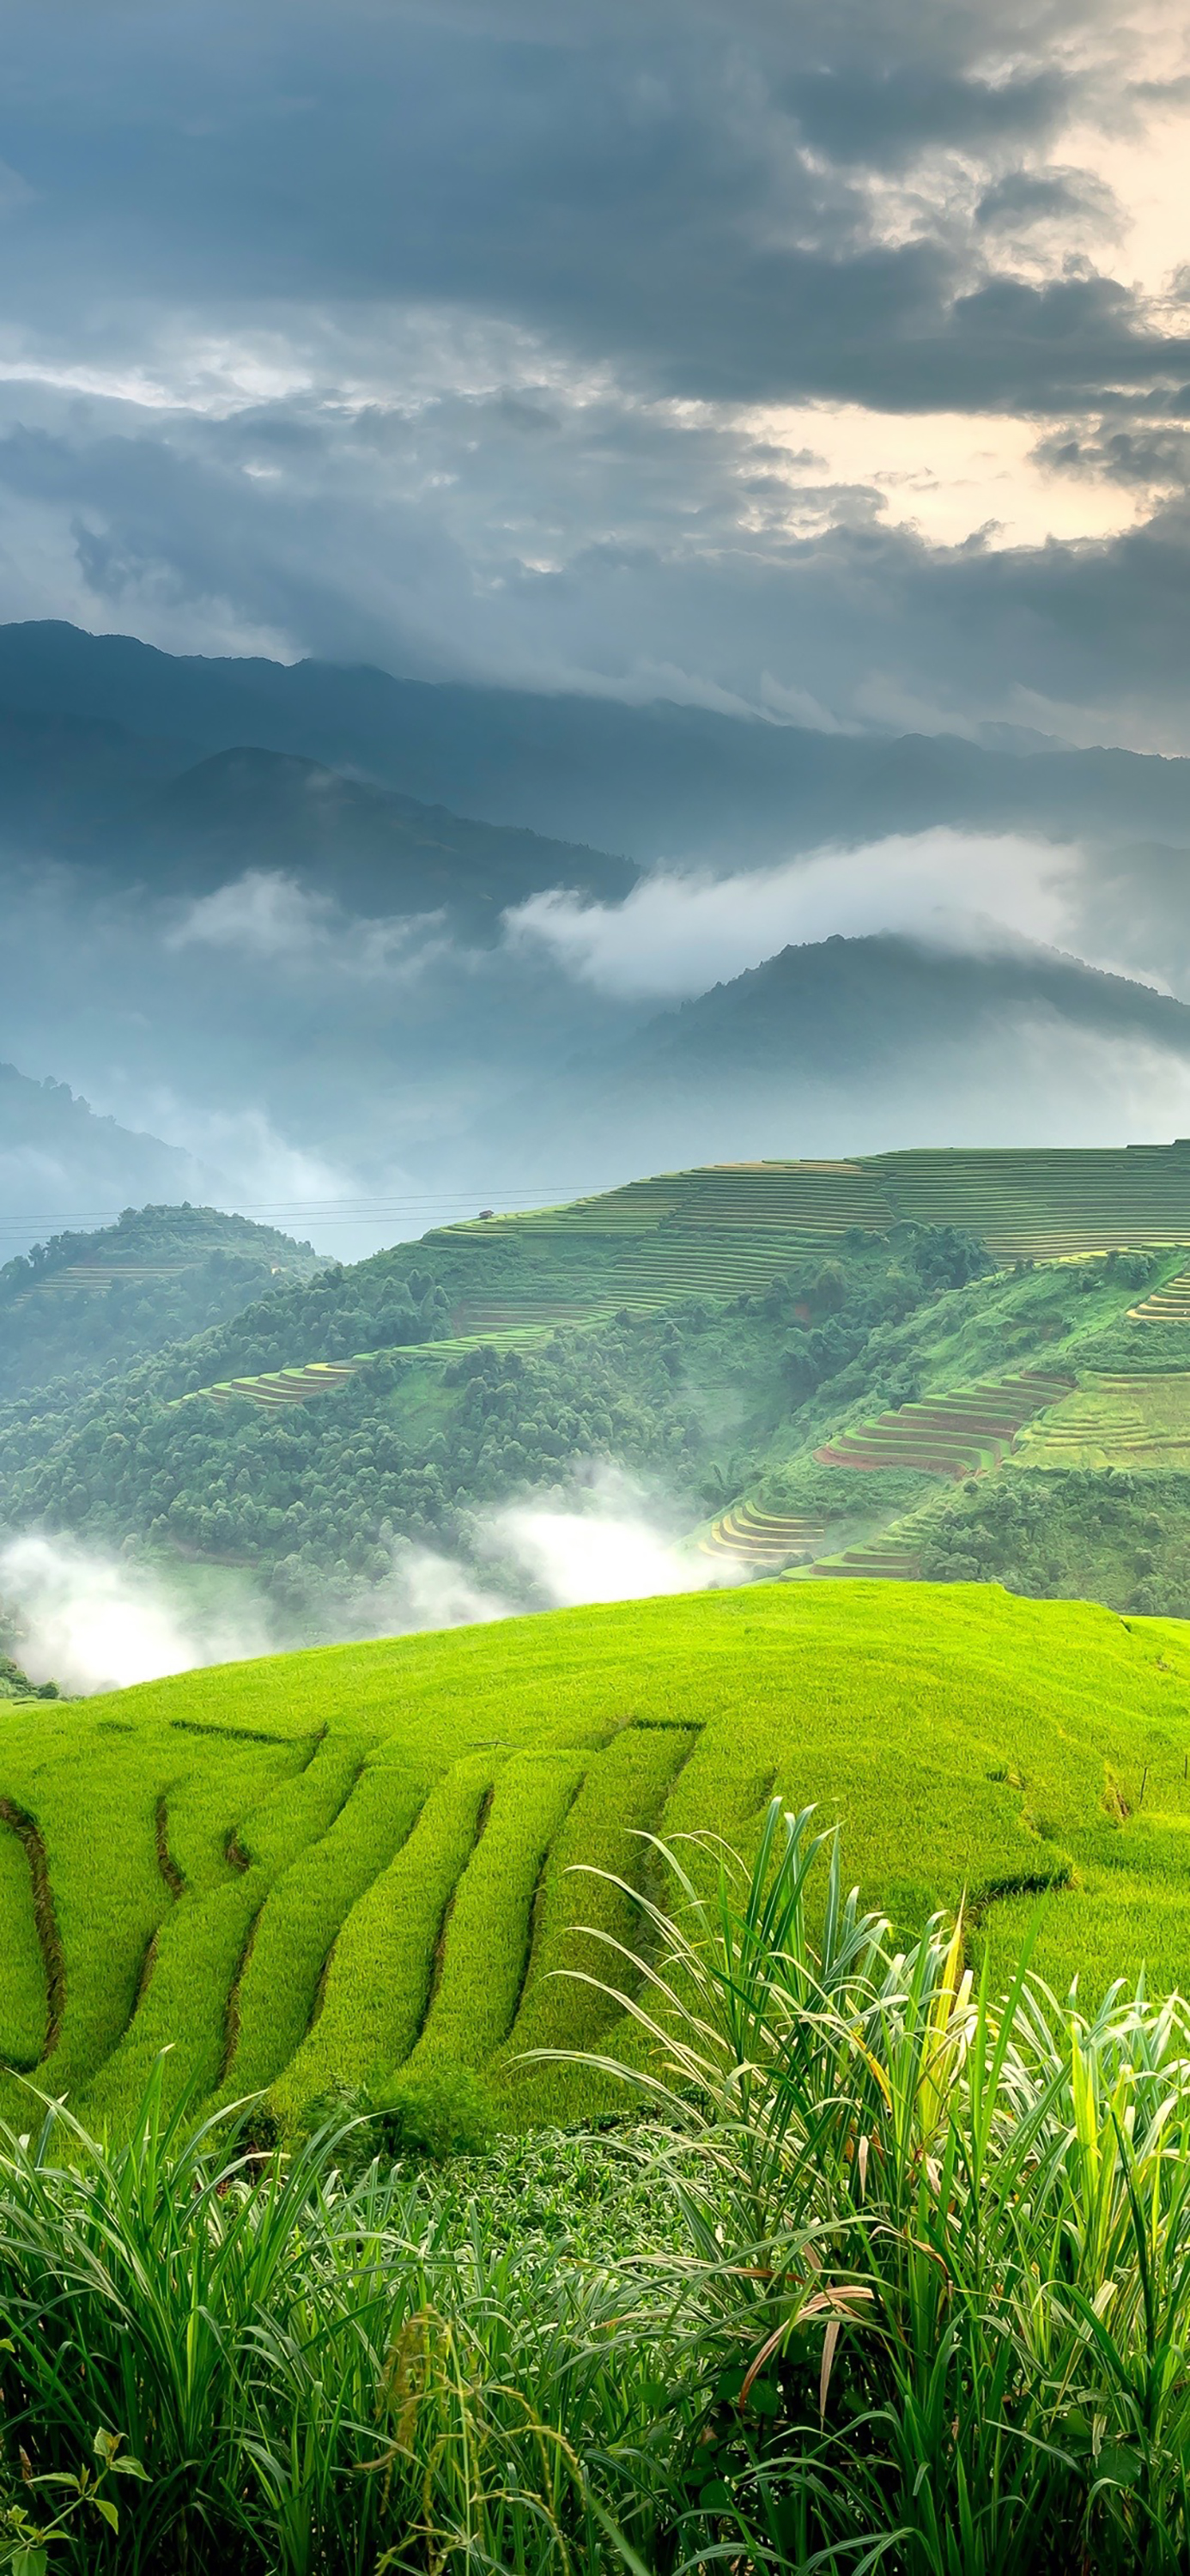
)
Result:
{"points": [[309, 1872], [311, 1492], [734, 1228], [731, 1230], [815, 1362], [85, 1303]]}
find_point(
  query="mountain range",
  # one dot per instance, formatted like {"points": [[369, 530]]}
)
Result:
{"points": [[857, 1045], [276, 899], [654, 781]]}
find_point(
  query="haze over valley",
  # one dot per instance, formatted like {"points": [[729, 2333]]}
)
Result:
{"points": [[333, 1001]]}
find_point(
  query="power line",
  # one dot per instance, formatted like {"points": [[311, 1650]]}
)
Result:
{"points": [[323, 1211]]}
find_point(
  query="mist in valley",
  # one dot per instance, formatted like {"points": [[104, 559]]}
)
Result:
{"points": [[92, 1619], [358, 1077]]}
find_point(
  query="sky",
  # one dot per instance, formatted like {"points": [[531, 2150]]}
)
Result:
{"points": [[829, 363]]}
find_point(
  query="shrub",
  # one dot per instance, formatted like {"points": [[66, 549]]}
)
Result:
{"points": [[897, 2281], [438, 2110]]}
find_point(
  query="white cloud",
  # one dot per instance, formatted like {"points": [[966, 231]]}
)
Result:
{"points": [[949, 475], [91, 1621], [677, 934], [604, 1541], [268, 917], [262, 915], [265, 1174]]}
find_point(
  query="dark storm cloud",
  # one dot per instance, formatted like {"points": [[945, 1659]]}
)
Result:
{"points": [[422, 332], [681, 190], [1024, 198], [884, 119], [859, 623]]}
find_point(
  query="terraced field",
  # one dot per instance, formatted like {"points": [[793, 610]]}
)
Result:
{"points": [[1046, 1204], [310, 1871], [1116, 1422], [805, 1199], [95, 1277], [729, 1229], [1026, 1204], [760, 1542], [145, 1247], [283, 1386], [890, 1558], [1168, 1305], [958, 1434]]}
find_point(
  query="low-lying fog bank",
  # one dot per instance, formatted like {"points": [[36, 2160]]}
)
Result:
{"points": [[92, 1620]]}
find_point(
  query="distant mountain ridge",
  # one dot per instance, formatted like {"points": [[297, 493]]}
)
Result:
{"points": [[87, 791], [63, 1165], [852, 1045], [656, 780], [381, 852], [851, 1004]]}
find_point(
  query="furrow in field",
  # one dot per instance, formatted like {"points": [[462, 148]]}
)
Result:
{"points": [[34, 1969], [582, 1905], [201, 1945], [485, 1940], [380, 1974], [288, 1968]]}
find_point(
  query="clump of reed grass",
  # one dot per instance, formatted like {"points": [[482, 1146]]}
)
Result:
{"points": [[314, 2375], [912, 2295], [938, 2266]]}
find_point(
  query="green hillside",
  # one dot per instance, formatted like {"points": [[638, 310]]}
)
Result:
{"points": [[825, 1368], [84, 1303], [312, 1871], [732, 1229], [409, 1446]]}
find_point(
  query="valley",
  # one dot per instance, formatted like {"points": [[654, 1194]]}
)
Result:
{"points": [[594, 1290]]}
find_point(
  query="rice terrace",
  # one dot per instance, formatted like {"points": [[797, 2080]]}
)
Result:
{"points": [[1012, 1373], [314, 1871], [309, 1873]]}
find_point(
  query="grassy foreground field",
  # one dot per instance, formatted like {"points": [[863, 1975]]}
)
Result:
{"points": [[306, 1872]]}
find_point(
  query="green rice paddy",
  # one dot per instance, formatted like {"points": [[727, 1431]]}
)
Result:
{"points": [[949, 1435], [760, 1542], [309, 1872], [1116, 1422], [727, 1230], [1167, 1305]]}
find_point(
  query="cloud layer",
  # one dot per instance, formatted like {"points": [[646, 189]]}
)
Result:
{"points": [[676, 935], [740, 353]]}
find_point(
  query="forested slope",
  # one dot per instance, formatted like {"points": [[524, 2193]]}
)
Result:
{"points": [[798, 1366], [84, 1303]]}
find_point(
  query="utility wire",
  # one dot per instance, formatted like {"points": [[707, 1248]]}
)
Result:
{"points": [[320, 1211]]}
